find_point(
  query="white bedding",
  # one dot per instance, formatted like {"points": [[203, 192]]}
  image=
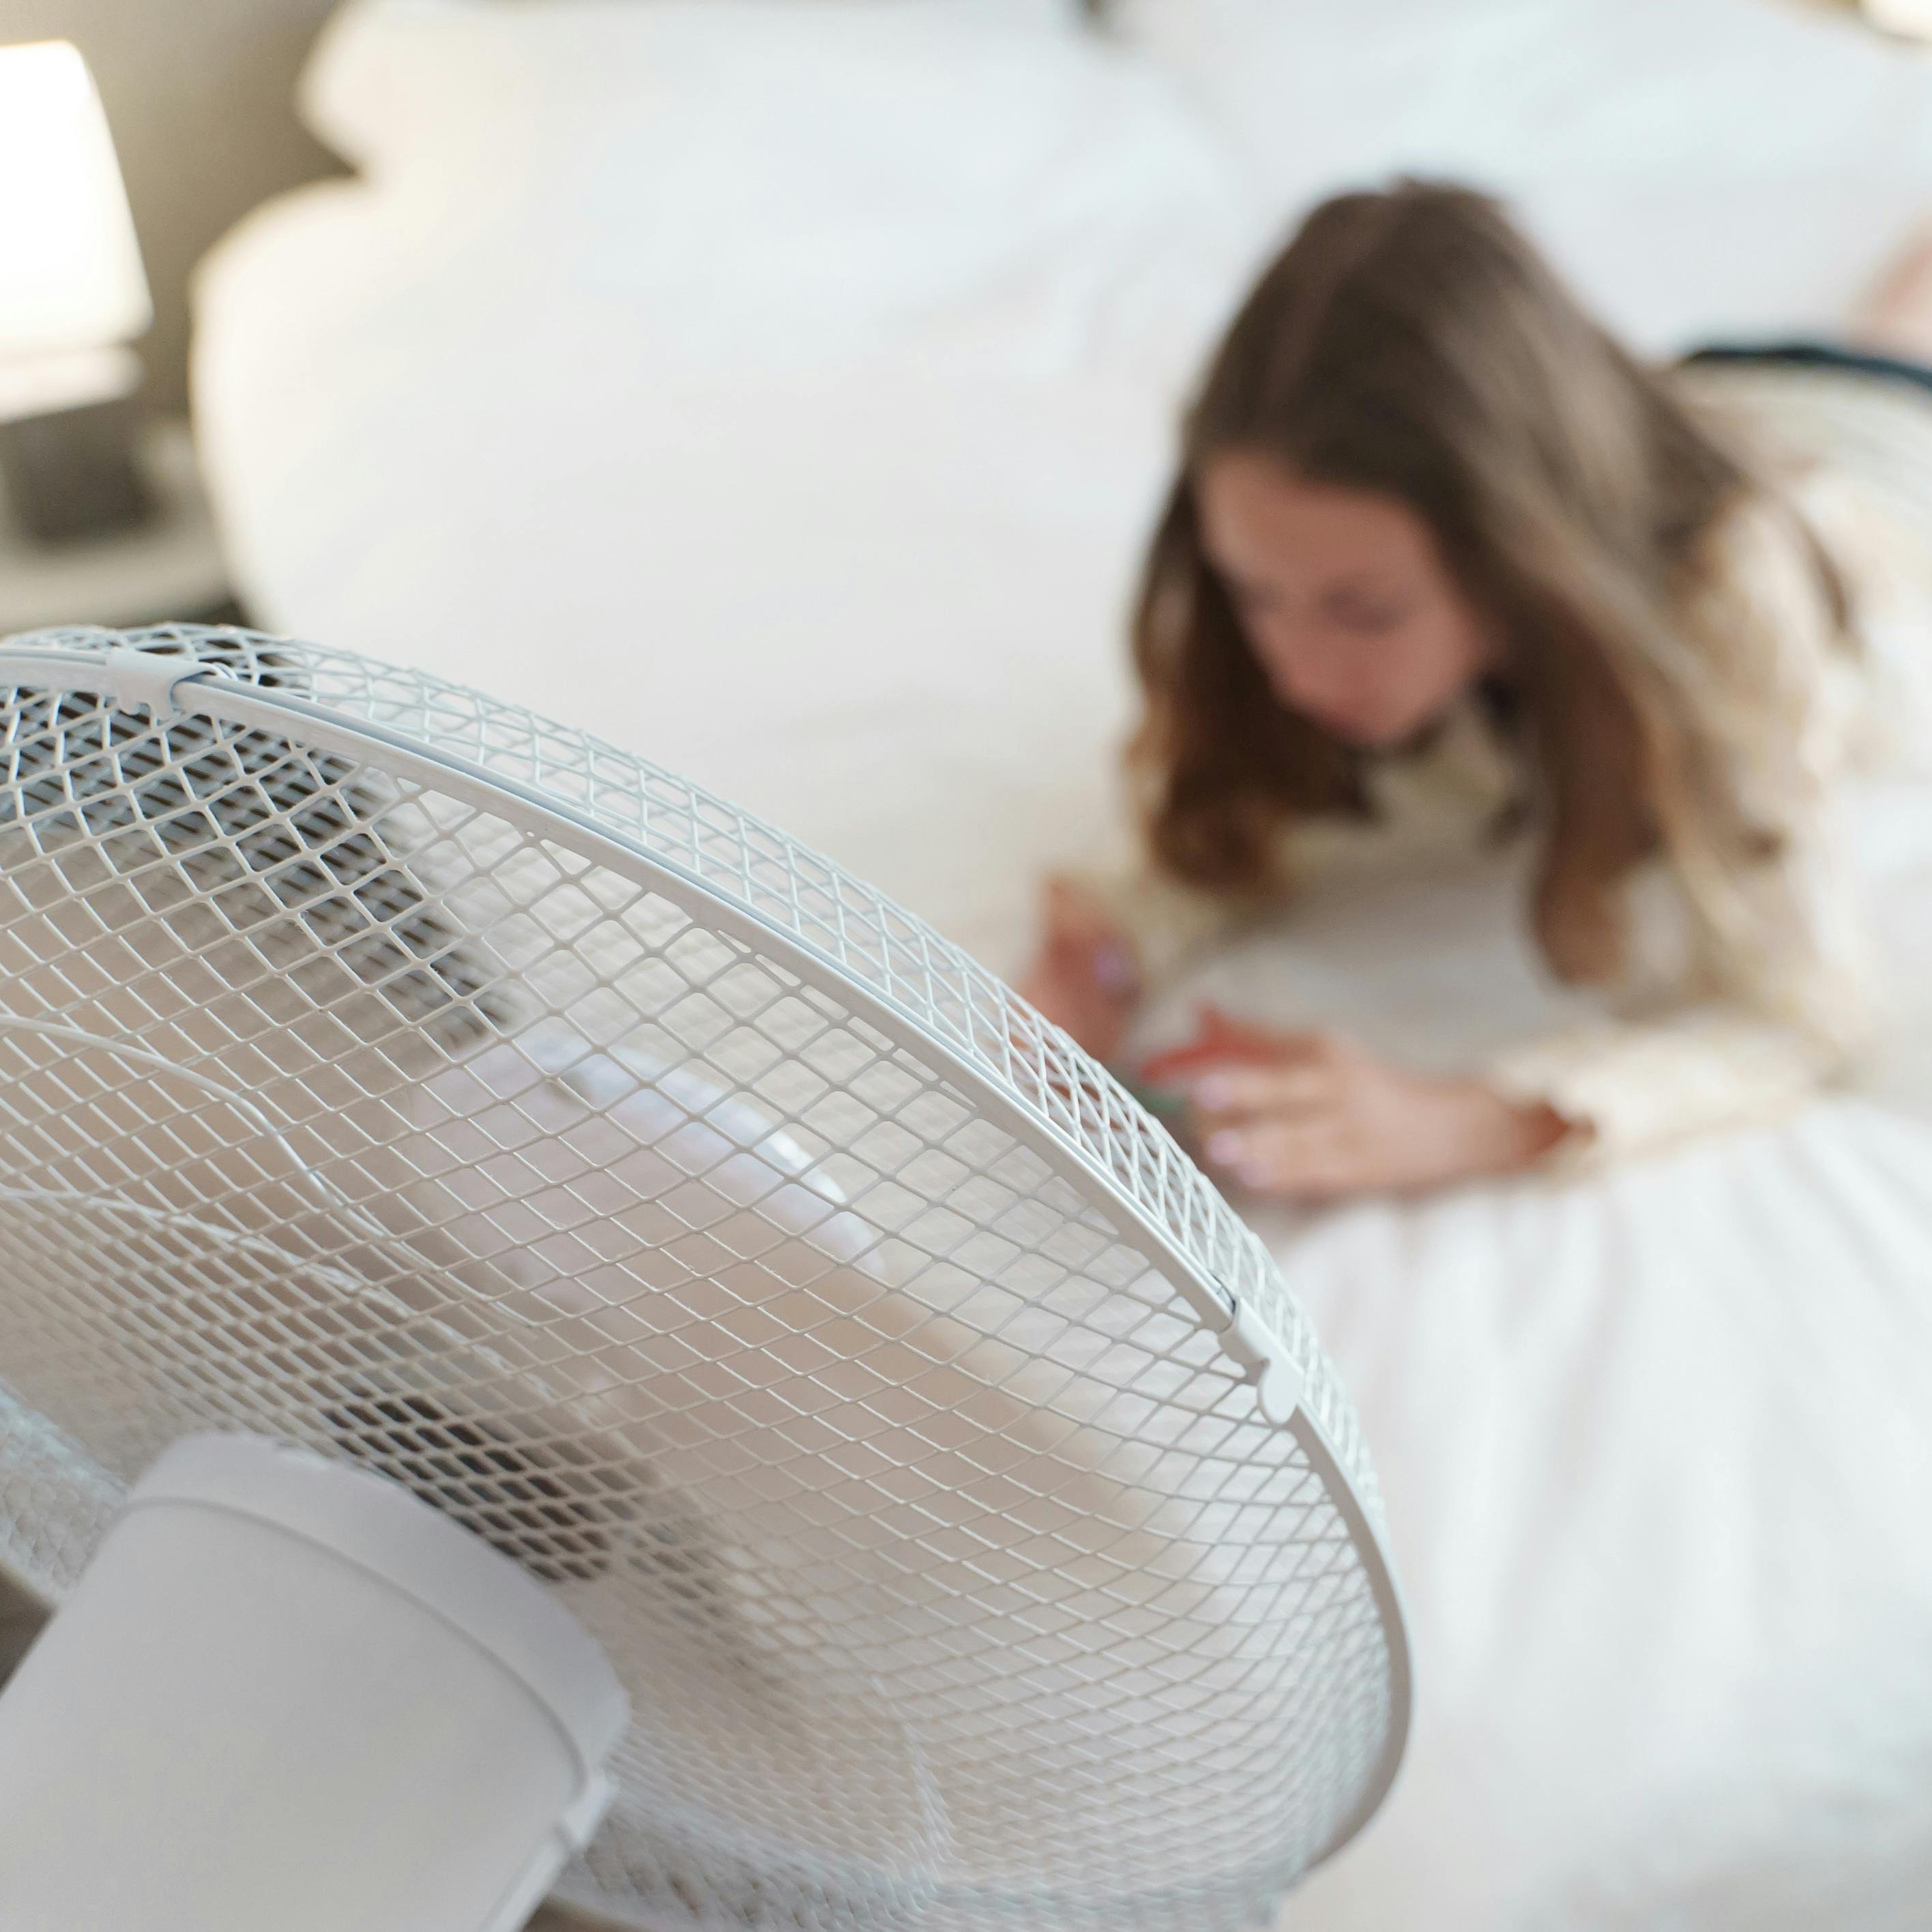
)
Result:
{"points": [[1656, 1454], [784, 389], [1696, 166]]}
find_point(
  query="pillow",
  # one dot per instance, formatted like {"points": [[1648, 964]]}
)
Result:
{"points": [[1698, 166], [398, 77], [783, 388], [790, 180]]}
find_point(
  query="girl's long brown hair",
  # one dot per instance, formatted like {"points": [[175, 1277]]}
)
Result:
{"points": [[1412, 342]]}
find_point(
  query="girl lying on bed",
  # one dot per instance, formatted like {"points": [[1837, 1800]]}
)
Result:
{"points": [[1441, 553]]}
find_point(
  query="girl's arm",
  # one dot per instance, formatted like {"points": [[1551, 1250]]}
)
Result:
{"points": [[1788, 1014], [1629, 1088]]}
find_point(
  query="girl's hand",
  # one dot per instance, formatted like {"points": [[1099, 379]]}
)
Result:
{"points": [[1320, 1119], [1087, 976]]}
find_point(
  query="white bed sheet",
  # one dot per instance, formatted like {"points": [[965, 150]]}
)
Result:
{"points": [[784, 389], [1656, 1451]]}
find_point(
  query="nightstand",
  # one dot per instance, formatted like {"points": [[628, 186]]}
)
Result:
{"points": [[169, 566]]}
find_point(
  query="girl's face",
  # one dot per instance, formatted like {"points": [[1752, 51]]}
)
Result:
{"points": [[1344, 598]]}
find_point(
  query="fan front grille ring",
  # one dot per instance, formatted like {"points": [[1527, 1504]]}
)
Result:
{"points": [[874, 1427]]}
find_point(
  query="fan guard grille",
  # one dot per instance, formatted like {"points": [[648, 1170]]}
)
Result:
{"points": [[388, 1068]]}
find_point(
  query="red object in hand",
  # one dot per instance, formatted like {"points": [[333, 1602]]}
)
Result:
{"points": [[1219, 1040]]}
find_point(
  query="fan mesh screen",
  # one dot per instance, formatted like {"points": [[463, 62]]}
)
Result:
{"points": [[707, 1234]]}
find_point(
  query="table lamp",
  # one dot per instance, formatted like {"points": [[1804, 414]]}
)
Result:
{"points": [[73, 296]]}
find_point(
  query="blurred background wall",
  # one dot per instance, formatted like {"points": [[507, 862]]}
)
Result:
{"points": [[198, 94]]}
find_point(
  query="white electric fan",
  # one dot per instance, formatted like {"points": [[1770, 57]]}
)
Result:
{"points": [[947, 1475]]}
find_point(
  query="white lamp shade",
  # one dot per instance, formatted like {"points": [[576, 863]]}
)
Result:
{"points": [[71, 274]]}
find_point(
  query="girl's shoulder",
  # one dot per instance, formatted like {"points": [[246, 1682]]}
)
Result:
{"points": [[1827, 661], [1849, 451], [1764, 590]]}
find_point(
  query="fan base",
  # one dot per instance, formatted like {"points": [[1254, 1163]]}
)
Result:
{"points": [[285, 1692]]}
